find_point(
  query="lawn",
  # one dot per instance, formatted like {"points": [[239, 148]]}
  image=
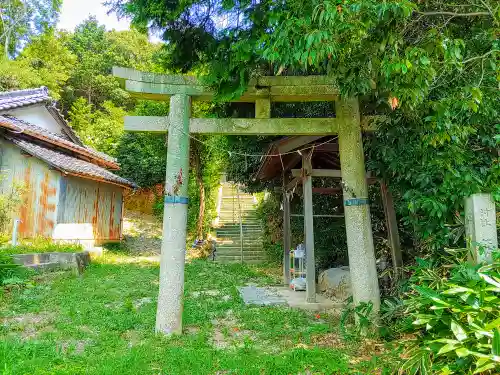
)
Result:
{"points": [[39, 245], [102, 323]]}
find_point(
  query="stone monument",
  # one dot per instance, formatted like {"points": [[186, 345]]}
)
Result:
{"points": [[480, 226]]}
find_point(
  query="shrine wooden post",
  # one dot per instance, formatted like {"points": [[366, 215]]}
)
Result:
{"points": [[287, 240], [392, 229], [309, 228]]}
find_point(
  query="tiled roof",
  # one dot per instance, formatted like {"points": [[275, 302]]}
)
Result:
{"points": [[19, 126], [69, 164], [22, 98]]}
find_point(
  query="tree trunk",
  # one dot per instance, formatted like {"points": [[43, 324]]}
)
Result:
{"points": [[199, 180], [201, 213]]}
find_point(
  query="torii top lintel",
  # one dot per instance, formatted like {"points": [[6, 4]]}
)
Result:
{"points": [[277, 88]]}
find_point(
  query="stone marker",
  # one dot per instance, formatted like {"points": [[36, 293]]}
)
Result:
{"points": [[480, 226]]}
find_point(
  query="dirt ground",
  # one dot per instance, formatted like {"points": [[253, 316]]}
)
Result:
{"points": [[142, 233]]}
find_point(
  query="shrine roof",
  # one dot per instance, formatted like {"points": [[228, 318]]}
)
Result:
{"points": [[282, 155]]}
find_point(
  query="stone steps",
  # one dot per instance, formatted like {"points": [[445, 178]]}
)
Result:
{"points": [[229, 242], [236, 234], [237, 259], [236, 243]]}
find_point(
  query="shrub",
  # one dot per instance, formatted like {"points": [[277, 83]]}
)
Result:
{"points": [[455, 308]]}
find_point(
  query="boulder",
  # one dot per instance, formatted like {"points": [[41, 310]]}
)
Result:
{"points": [[336, 282]]}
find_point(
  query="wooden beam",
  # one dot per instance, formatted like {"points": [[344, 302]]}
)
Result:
{"points": [[392, 228], [296, 182], [327, 148], [293, 183], [334, 173], [287, 234], [309, 228], [327, 191], [292, 162], [272, 126], [293, 143], [150, 124], [136, 75]]}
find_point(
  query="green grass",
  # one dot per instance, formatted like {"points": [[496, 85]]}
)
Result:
{"points": [[103, 323], [39, 245]]}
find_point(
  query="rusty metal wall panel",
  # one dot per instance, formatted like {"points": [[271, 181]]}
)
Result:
{"points": [[85, 201], [40, 184]]}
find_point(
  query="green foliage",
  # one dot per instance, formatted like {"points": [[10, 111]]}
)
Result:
{"points": [[268, 211], [357, 321], [97, 52], [100, 129], [143, 156], [454, 161], [208, 160], [22, 20], [8, 269], [10, 202], [92, 96], [455, 310], [45, 61]]}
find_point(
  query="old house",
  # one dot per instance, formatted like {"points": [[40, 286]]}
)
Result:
{"points": [[69, 190]]}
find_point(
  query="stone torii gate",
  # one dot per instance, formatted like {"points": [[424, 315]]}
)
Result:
{"points": [[347, 124]]}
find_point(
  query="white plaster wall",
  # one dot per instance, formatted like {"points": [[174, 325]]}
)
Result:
{"points": [[37, 115]]}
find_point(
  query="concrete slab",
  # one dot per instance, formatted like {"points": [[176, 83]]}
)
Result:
{"points": [[266, 296], [275, 296], [298, 300]]}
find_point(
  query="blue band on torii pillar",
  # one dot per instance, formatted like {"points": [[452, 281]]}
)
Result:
{"points": [[356, 202], [176, 199]]}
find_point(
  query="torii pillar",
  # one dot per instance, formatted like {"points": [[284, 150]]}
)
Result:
{"points": [[362, 266], [173, 246]]}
